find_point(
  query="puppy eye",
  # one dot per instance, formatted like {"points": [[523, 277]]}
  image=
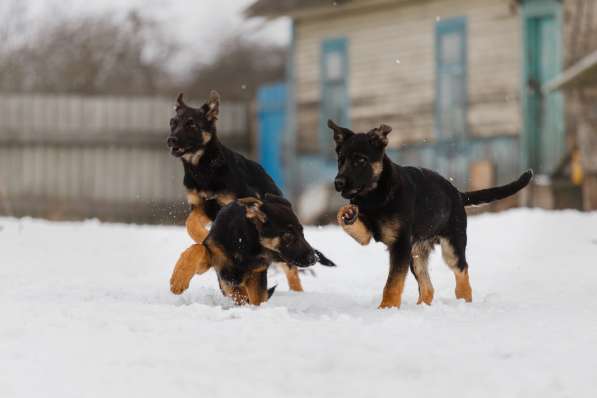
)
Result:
{"points": [[287, 237], [173, 123], [190, 123], [360, 161]]}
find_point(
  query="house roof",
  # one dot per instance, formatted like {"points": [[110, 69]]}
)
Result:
{"points": [[276, 8], [582, 72]]}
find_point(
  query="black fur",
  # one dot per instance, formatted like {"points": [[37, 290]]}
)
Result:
{"points": [[236, 240], [211, 170], [419, 204]]}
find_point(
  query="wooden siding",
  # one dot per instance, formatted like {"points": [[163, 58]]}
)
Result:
{"points": [[66, 157], [402, 94]]}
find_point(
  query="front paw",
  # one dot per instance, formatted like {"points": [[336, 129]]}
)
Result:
{"points": [[179, 283], [348, 214]]}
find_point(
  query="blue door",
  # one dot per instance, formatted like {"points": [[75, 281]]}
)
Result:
{"points": [[271, 113], [544, 135]]}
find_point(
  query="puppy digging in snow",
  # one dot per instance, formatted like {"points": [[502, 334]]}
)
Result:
{"points": [[246, 237], [409, 209]]}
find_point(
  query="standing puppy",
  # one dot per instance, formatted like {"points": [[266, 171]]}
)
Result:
{"points": [[409, 209]]}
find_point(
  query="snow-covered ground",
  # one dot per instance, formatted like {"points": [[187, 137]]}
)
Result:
{"points": [[85, 311]]}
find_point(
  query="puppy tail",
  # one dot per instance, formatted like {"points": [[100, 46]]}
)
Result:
{"points": [[270, 291], [492, 194], [323, 260]]}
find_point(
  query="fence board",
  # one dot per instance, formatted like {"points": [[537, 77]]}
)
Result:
{"points": [[68, 156]]}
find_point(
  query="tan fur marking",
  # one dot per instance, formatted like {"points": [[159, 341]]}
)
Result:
{"points": [[255, 292], [357, 230], [292, 276], [463, 287], [420, 253], [196, 222], [193, 157], [271, 243], [377, 168], [193, 198], [449, 255], [206, 136], [218, 256], [390, 230], [225, 198], [392, 292], [194, 260]]}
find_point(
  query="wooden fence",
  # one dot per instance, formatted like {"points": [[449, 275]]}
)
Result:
{"points": [[72, 157]]}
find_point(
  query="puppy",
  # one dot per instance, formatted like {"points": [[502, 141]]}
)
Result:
{"points": [[409, 209], [246, 237], [214, 175]]}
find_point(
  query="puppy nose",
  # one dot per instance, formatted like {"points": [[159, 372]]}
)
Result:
{"points": [[340, 183], [172, 141]]}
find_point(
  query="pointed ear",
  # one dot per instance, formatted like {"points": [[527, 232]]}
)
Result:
{"points": [[180, 103], [341, 134], [253, 209], [380, 134], [213, 106]]}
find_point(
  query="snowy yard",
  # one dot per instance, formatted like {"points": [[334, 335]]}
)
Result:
{"points": [[86, 312]]}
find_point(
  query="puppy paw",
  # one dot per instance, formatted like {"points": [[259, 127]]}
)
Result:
{"points": [[348, 214], [179, 283]]}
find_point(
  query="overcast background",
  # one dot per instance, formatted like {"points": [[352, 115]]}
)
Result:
{"points": [[197, 26]]}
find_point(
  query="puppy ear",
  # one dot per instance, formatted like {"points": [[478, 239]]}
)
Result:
{"points": [[380, 134], [253, 209], [341, 134], [213, 106], [180, 103]]}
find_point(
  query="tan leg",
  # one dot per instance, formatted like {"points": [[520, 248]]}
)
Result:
{"points": [[348, 219], [194, 260], [392, 292], [420, 254], [463, 287], [196, 222], [292, 275], [256, 287], [460, 268]]}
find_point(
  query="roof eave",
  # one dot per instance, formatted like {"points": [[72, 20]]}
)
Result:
{"points": [[584, 71]]}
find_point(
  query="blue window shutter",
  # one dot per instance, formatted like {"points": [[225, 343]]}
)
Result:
{"points": [[451, 78], [334, 90]]}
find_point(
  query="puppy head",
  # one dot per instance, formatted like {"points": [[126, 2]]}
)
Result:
{"points": [[360, 158], [279, 229], [191, 129]]}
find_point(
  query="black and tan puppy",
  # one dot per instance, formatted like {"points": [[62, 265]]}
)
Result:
{"points": [[409, 209], [246, 237], [214, 175]]}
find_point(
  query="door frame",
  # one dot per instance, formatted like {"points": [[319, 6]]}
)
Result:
{"points": [[531, 9]]}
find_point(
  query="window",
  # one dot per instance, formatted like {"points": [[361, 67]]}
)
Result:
{"points": [[451, 84], [334, 90]]}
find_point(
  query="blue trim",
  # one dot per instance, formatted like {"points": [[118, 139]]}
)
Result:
{"points": [[328, 46], [450, 26], [532, 9]]}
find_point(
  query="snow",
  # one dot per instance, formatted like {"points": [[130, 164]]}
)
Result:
{"points": [[86, 312]]}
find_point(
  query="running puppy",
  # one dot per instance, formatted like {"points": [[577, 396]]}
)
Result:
{"points": [[246, 237], [409, 209], [214, 175]]}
